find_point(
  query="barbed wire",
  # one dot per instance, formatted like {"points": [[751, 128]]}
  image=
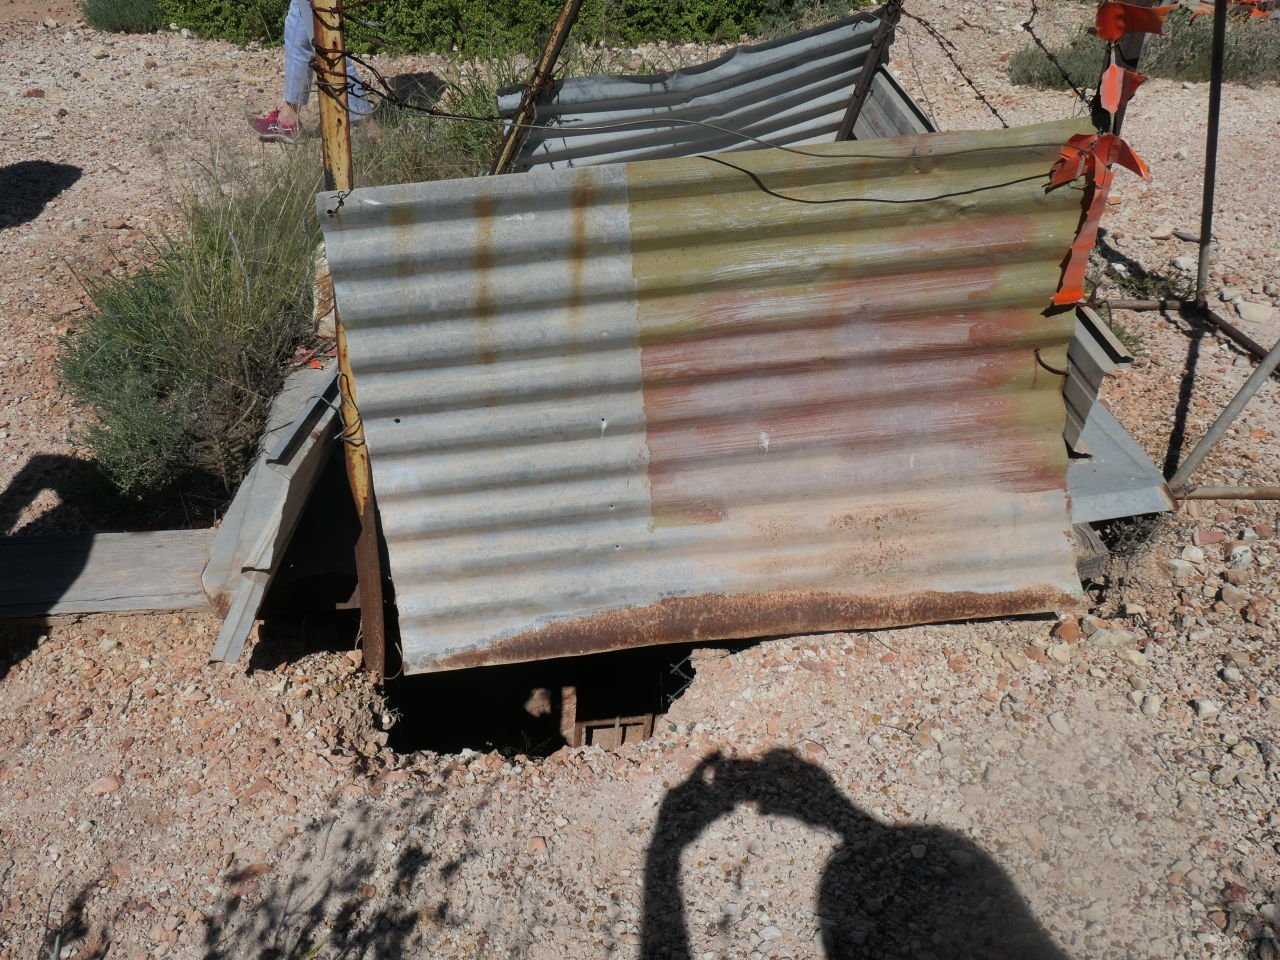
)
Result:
{"points": [[915, 68], [948, 48], [1053, 59]]}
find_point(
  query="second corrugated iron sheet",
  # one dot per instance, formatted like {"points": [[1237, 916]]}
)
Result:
{"points": [[707, 398], [792, 90]]}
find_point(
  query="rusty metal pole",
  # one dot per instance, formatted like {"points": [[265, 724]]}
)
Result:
{"points": [[1229, 493], [518, 129], [1211, 148], [1220, 426], [335, 130], [875, 58], [330, 64]]}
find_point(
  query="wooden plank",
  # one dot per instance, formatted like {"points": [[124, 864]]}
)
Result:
{"points": [[103, 572], [1091, 553]]}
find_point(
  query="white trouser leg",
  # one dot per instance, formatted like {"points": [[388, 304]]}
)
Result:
{"points": [[298, 33]]}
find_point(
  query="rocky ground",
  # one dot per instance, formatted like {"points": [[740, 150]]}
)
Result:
{"points": [[1104, 788]]}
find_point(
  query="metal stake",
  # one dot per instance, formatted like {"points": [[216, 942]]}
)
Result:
{"points": [[518, 129], [1211, 148], [875, 57], [1229, 493], [330, 64], [1225, 419]]}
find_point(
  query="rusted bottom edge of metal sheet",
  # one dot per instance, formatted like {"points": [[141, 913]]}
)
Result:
{"points": [[713, 617]]}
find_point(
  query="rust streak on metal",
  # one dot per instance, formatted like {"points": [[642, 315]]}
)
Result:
{"points": [[717, 617], [485, 262], [581, 197]]}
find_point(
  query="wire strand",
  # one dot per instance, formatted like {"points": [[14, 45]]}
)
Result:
{"points": [[648, 123], [1053, 59], [947, 47]]}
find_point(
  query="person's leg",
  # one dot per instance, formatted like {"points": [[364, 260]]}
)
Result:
{"points": [[298, 27], [284, 123]]}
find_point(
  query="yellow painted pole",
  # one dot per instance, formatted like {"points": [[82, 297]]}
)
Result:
{"points": [[330, 64]]}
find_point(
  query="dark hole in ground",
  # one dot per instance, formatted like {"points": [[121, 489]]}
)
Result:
{"points": [[607, 699], [1130, 537], [287, 638], [534, 708]]}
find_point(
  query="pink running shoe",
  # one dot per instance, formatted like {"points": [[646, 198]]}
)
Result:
{"points": [[270, 130]]}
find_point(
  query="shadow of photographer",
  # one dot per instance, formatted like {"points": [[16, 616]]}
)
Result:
{"points": [[877, 898]]}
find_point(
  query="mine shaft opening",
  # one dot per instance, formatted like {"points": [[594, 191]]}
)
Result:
{"points": [[607, 700]]}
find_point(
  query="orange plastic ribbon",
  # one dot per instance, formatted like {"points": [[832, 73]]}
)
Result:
{"points": [[1258, 9], [1093, 155], [1116, 19], [1118, 86]]}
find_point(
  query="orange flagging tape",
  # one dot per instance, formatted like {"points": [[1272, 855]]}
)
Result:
{"points": [[1092, 155], [1118, 86], [1258, 9], [1116, 19]]}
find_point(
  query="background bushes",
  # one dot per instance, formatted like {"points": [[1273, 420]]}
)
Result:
{"points": [[237, 20], [1252, 54], [475, 26], [124, 16]]}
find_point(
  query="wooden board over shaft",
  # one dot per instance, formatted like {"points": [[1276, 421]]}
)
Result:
{"points": [[103, 572]]}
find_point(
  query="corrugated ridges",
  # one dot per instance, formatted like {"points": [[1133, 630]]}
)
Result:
{"points": [[788, 91], [589, 394]]}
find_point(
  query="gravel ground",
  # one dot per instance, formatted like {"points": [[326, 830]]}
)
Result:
{"points": [[1100, 788]]}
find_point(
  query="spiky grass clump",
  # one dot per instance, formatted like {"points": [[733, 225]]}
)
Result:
{"points": [[179, 362]]}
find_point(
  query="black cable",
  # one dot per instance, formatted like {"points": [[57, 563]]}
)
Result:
{"points": [[941, 196]]}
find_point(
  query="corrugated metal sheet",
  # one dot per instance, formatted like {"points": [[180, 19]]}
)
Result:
{"points": [[789, 91], [1094, 352], [1117, 478], [1109, 476], [714, 397]]}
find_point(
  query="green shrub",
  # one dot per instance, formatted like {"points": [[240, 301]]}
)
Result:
{"points": [[1081, 57], [178, 363], [123, 16], [475, 26], [1252, 54], [1252, 51], [237, 20]]}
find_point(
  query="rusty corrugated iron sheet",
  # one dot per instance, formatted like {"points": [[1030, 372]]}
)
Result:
{"points": [[788, 91], [714, 397]]}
